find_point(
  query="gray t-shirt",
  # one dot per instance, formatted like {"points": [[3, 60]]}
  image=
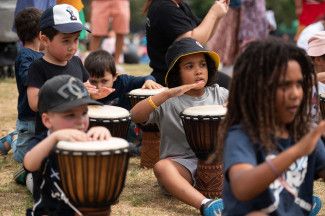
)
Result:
{"points": [[173, 141]]}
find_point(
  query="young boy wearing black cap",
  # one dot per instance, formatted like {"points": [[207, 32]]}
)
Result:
{"points": [[62, 104], [60, 27]]}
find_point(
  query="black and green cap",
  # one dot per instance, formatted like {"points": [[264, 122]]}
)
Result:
{"points": [[184, 47], [61, 93]]}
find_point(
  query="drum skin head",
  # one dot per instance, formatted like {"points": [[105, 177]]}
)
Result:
{"points": [[114, 143], [146, 92], [206, 110], [107, 112]]}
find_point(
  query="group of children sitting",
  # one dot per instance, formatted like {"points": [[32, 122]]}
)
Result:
{"points": [[271, 155]]}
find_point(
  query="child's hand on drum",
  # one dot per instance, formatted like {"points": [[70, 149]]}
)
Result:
{"points": [[307, 144], [150, 84], [70, 135], [98, 133]]}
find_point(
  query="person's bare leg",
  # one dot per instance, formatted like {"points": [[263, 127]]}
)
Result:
{"points": [[118, 47], [177, 181], [94, 42]]}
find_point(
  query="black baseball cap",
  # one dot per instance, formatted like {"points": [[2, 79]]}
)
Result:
{"points": [[184, 47], [62, 93], [62, 17]]}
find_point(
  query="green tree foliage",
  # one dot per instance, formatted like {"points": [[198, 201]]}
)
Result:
{"points": [[284, 10], [200, 7]]}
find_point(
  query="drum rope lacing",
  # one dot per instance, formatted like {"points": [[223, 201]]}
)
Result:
{"points": [[65, 199]]}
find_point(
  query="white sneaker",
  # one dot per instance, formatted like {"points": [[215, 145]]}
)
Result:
{"points": [[29, 182]]}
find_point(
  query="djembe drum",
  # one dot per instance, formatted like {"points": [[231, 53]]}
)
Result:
{"points": [[150, 132], [322, 104], [93, 173], [201, 125], [115, 119]]}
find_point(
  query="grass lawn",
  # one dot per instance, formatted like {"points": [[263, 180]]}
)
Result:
{"points": [[140, 196]]}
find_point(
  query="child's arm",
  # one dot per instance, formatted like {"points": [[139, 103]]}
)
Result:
{"points": [[248, 181], [141, 111], [34, 158], [205, 30], [32, 95], [134, 82]]}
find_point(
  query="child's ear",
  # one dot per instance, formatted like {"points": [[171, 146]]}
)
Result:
{"points": [[115, 77], [41, 46], [44, 39], [46, 120]]}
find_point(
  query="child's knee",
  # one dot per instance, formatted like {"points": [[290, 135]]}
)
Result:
{"points": [[161, 167]]}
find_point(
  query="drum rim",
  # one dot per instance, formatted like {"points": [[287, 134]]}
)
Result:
{"points": [[92, 153], [120, 119], [126, 113], [113, 144], [201, 117], [138, 96]]}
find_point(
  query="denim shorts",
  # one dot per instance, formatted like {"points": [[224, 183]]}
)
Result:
{"points": [[26, 131]]}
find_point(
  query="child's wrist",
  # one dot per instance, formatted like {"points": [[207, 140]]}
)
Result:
{"points": [[273, 168], [152, 103]]}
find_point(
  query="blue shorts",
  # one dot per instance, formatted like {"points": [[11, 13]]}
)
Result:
{"points": [[26, 131]]}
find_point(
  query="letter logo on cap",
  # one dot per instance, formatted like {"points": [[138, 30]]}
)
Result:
{"points": [[72, 88], [72, 16]]}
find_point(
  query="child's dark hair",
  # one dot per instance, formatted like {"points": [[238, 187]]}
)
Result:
{"points": [[174, 79], [27, 23], [50, 32], [252, 94], [99, 62]]}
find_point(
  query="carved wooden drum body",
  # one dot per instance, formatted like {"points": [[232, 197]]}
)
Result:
{"points": [[93, 173], [150, 133], [201, 125]]}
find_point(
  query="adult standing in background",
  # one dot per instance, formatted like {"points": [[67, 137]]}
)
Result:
{"points": [[168, 20], [104, 11], [225, 39], [245, 22], [253, 22]]}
